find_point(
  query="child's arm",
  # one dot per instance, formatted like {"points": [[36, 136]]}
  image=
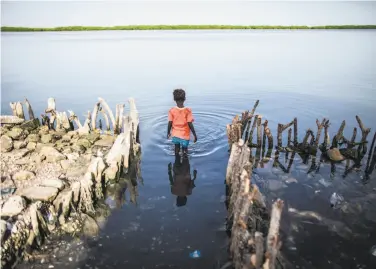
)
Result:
{"points": [[190, 124], [169, 129]]}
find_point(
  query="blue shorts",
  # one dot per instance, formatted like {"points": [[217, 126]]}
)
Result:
{"points": [[178, 141]]}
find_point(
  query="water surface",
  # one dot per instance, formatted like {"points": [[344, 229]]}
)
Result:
{"points": [[304, 74]]}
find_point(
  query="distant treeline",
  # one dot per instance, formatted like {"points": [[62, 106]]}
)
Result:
{"points": [[180, 27]]}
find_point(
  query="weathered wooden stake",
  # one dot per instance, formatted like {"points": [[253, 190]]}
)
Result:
{"points": [[255, 120], [281, 128], [29, 109], [259, 132]]}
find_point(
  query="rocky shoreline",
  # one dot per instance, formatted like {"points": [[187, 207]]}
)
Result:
{"points": [[53, 175]]}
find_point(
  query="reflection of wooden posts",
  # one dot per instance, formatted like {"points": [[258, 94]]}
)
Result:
{"points": [[289, 137], [281, 128]]}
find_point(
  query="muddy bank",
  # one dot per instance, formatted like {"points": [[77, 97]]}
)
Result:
{"points": [[55, 175]]}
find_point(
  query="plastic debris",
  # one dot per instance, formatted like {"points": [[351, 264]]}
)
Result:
{"points": [[336, 199], [195, 254]]}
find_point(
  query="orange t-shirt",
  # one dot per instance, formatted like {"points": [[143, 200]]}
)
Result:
{"points": [[180, 118]]}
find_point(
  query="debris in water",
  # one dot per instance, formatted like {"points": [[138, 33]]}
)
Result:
{"points": [[324, 182], [51, 266], [373, 250], [336, 199], [195, 254]]}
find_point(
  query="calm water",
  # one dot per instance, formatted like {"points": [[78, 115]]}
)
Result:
{"points": [[304, 74]]}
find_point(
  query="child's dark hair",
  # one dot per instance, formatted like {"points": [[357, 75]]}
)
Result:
{"points": [[179, 95]]}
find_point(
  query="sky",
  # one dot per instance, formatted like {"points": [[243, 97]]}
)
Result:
{"points": [[108, 13]]}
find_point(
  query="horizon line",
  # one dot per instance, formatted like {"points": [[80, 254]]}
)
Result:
{"points": [[181, 27]]}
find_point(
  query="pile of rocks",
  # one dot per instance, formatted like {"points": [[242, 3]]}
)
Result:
{"points": [[52, 180]]}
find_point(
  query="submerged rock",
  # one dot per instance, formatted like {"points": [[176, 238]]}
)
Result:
{"points": [[335, 155], [13, 206], [90, 226], [6, 143], [23, 175], [52, 155], [40, 193]]}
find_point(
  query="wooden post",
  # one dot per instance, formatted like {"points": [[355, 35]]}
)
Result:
{"points": [[370, 152], [319, 129], [29, 109], [255, 120], [281, 128], [365, 132], [295, 132], [268, 133], [339, 134], [259, 132]]}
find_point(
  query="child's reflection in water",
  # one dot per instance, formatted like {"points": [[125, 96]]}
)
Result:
{"points": [[180, 179]]}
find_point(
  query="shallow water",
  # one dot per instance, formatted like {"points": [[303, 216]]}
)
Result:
{"points": [[304, 74]]}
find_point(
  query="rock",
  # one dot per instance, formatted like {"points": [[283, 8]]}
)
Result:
{"points": [[83, 142], [52, 155], [90, 227], [20, 153], [39, 193], [6, 143], [335, 155], [23, 175], [46, 138], [105, 141], [78, 148], [23, 161], [43, 130], [93, 137], [13, 206], [20, 144], [62, 202], [30, 125], [72, 133], [17, 133], [33, 138], [66, 138], [65, 164], [76, 171], [4, 129], [3, 229], [56, 183], [31, 146]]}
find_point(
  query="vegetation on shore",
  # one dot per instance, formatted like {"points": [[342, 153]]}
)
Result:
{"points": [[181, 27]]}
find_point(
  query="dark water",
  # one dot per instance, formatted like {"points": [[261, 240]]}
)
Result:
{"points": [[304, 74]]}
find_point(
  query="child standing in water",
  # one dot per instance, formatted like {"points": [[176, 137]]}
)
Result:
{"points": [[180, 123]]}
